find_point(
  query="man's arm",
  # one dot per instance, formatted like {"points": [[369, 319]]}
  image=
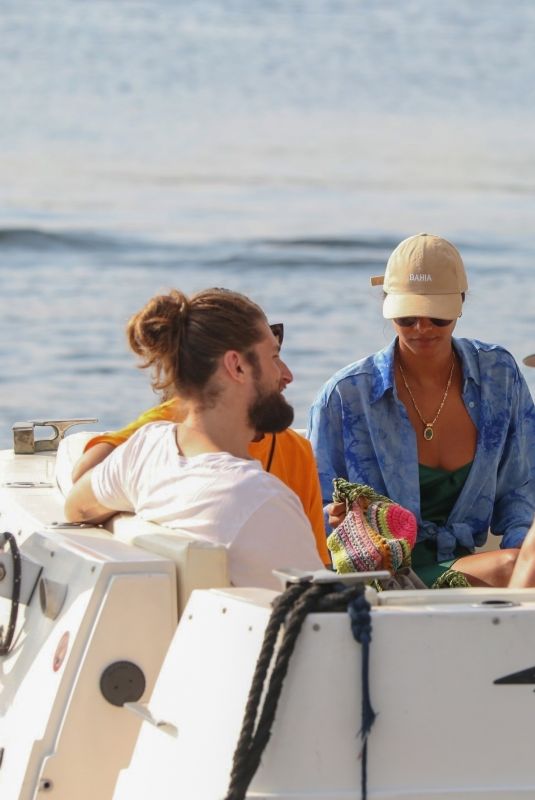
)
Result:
{"points": [[296, 467], [81, 504], [515, 487], [523, 576], [91, 458]]}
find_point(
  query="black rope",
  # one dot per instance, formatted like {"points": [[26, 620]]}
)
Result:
{"points": [[271, 451], [290, 609], [240, 778], [361, 626], [5, 642]]}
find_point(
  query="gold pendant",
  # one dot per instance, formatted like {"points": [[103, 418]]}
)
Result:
{"points": [[428, 433]]}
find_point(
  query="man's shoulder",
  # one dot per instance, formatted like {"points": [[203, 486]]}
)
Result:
{"points": [[163, 412], [293, 442], [259, 486], [150, 436], [288, 442], [155, 428]]}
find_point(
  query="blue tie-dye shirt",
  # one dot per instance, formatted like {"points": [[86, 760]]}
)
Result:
{"points": [[360, 430]]}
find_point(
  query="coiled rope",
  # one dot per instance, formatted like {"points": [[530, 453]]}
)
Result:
{"points": [[5, 642], [290, 609]]}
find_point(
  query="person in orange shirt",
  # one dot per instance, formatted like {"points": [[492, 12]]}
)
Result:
{"points": [[287, 455]]}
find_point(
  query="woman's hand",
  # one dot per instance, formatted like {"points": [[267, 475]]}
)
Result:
{"points": [[337, 513]]}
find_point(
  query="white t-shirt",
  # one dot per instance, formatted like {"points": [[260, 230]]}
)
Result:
{"points": [[215, 496]]}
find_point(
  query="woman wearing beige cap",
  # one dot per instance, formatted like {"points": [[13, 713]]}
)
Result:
{"points": [[443, 426]]}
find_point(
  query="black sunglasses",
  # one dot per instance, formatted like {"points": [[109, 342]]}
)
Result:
{"points": [[408, 322], [277, 329]]}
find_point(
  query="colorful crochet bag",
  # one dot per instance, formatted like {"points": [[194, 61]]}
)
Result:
{"points": [[375, 534]]}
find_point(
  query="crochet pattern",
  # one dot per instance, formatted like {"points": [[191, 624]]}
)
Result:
{"points": [[375, 534], [451, 579]]}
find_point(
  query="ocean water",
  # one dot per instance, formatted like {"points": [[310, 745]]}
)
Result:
{"points": [[281, 149]]}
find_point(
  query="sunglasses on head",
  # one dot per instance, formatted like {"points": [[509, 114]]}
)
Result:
{"points": [[408, 322], [277, 329]]}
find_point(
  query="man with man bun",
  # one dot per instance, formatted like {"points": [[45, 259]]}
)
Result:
{"points": [[216, 352], [285, 454]]}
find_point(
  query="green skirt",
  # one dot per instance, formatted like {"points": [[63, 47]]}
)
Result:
{"points": [[425, 564]]}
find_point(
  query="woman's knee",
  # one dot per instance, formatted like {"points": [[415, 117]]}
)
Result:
{"points": [[506, 564], [489, 569]]}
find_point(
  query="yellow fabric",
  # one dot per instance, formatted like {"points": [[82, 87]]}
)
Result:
{"points": [[293, 463], [166, 411]]}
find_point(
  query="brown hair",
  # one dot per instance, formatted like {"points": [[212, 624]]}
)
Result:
{"points": [[182, 338]]}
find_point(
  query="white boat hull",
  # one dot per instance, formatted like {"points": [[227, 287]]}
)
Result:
{"points": [[59, 735], [444, 729]]}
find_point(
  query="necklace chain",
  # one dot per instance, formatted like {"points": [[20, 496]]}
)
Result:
{"points": [[428, 426]]}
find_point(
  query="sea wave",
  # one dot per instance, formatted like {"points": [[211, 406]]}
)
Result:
{"points": [[38, 239], [42, 250], [309, 252]]}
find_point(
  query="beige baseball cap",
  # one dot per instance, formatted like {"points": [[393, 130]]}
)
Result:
{"points": [[424, 277]]}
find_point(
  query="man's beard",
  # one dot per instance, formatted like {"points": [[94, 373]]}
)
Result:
{"points": [[270, 413]]}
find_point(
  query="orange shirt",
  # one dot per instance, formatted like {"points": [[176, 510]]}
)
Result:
{"points": [[292, 461]]}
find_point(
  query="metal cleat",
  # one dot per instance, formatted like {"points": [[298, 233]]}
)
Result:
{"points": [[25, 443], [292, 575]]}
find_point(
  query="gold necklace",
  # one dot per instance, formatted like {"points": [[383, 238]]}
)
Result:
{"points": [[428, 426]]}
